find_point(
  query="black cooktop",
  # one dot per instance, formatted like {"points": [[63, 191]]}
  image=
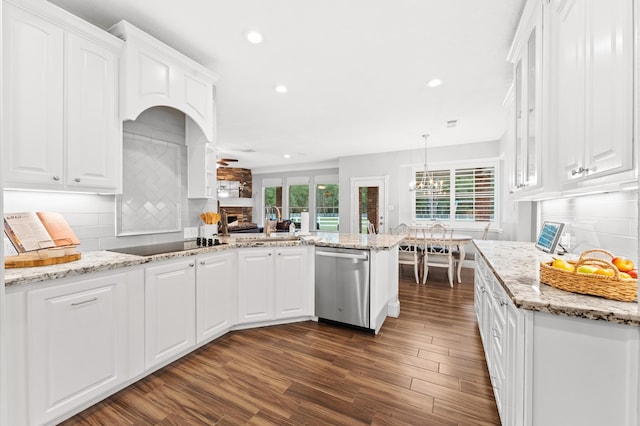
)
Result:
{"points": [[151, 249]]}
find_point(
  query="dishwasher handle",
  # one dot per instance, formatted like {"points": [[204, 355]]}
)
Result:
{"points": [[363, 256]]}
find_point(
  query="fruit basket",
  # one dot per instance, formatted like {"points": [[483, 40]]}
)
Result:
{"points": [[612, 286]]}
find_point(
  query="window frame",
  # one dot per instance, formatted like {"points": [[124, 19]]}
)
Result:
{"points": [[452, 167]]}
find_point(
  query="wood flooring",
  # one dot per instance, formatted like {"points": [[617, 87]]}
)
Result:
{"points": [[426, 367]]}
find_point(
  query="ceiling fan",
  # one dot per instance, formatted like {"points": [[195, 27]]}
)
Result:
{"points": [[226, 161]]}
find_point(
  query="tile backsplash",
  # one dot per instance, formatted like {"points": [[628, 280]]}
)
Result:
{"points": [[607, 221]]}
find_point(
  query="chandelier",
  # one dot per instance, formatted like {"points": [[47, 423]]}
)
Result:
{"points": [[427, 185]]}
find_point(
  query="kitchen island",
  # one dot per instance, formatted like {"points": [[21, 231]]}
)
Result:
{"points": [[80, 331], [554, 357]]}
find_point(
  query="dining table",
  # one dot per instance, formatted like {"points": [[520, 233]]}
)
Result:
{"points": [[457, 240]]}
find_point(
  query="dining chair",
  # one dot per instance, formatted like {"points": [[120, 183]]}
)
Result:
{"points": [[438, 253], [485, 232], [371, 229], [410, 251]]}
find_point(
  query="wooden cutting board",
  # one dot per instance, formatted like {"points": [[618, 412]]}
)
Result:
{"points": [[28, 261]]}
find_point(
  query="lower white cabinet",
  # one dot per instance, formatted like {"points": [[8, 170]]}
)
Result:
{"points": [[216, 283], [77, 345], [274, 283], [549, 369], [170, 310]]}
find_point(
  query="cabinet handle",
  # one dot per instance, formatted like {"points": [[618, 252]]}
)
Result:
{"points": [[495, 333], [579, 171], [269, 254], [84, 302], [192, 264], [202, 262], [503, 302], [77, 179], [56, 178]]}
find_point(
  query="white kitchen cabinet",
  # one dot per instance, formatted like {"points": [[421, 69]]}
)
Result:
{"points": [[61, 124], [555, 369], [255, 285], [526, 55], [170, 310], [292, 289], [502, 333], [202, 179], [155, 74], [592, 56], [216, 295], [274, 283], [77, 344]]}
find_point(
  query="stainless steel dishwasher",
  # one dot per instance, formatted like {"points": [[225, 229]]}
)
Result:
{"points": [[342, 285]]}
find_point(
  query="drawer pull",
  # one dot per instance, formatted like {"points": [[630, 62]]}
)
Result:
{"points": [[84, 302]]}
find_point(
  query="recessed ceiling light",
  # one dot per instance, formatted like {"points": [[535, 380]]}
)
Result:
{"points": [[281, 88], [434, 82], [287, 156], [254, 37]]}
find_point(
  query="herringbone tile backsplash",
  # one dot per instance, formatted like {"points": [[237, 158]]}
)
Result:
{"points": [[150, 200]]}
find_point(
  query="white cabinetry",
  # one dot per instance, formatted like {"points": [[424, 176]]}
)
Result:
{"points": [[77, 345], [170, 311], [274, 283], [202, 178], [216, 306], [502, 330], [155, 74], [61, 125], [592, 56], [526, 55], [292, 290], [555, 369]]}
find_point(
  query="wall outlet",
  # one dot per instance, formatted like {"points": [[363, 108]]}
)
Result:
{"points": [[190, 232]]}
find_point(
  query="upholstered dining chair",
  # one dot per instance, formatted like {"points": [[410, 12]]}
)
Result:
{"points": [[410, 251], [438, 253]]}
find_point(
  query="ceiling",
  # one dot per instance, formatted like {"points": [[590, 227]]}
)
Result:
{"points": [[356, 71]]}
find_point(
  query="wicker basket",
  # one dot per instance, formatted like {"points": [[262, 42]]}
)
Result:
{"points": [[610, 287]]}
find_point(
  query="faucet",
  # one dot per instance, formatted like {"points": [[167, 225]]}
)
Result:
{"points": [[267, 220]]}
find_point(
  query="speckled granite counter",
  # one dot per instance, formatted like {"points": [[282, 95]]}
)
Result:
{"points": [[357, 241], [98, 261], [516, 265]]}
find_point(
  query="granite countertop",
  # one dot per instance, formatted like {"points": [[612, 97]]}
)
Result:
{"points": [[97, 261], [516, 264]]}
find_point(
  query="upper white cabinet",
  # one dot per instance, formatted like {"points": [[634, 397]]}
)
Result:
{"points": [[62, 129], [592, 57], [155, 74], [526, 55]]}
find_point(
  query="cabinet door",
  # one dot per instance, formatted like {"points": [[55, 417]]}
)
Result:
{"points": [[170, 311], [77, 344], [216, 290], [255, 285], [292, 282], [94, 137], [571, 87], [33, 101], [609, 87]]}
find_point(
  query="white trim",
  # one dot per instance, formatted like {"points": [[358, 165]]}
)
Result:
{"points": [[298, 180], [271, 182]]}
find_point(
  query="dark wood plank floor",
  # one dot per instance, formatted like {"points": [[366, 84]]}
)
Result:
{"points": [[426, 367]]}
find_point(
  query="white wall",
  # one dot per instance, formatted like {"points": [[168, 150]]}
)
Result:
{"points": [[399, 166]]}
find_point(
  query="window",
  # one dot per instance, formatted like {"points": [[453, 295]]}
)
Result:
{"points": [[273, 198], [464, 195], [327, 198], [298, 202]]}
